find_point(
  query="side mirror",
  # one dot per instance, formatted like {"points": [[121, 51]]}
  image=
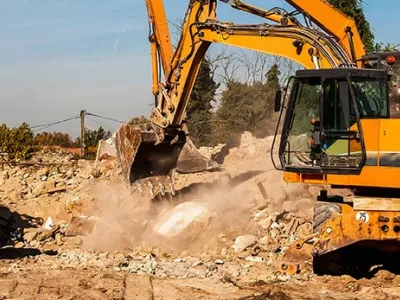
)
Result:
{"points": [[278, 99]]}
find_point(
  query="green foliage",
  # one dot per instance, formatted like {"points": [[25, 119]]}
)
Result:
{"points": [[246, 107], [385, 47], [138, 120], [354, 9], [16, 142], [92, 137], [199, 113]]}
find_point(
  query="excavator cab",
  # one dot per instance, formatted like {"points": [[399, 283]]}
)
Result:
{"points": [[323, 109], [330, 119]]}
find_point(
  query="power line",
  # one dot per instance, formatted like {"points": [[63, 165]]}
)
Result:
{"points": [[47, 125], [105, 118], [98, 123]]}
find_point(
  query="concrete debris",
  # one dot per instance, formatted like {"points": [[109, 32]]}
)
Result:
{"points": [[256, 259], [49, 223], [175, 221], [80, 226], [243, 242]]}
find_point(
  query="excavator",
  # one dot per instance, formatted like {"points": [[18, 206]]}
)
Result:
{"points": [[334, 120]]}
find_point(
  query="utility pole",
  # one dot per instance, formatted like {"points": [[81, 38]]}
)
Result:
{"points": [[83, 113]]}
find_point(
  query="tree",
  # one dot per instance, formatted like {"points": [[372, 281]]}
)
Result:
{"points": [[16, 142], [354, 9], [92, 137], [138, 120], [199, 112], [53, 139], [247, 107]]}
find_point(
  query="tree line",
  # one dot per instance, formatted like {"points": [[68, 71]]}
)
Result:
{"points": [[19, 142]]}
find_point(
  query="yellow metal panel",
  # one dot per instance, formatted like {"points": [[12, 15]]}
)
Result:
{"points": [[370, 130], [389, 135]]}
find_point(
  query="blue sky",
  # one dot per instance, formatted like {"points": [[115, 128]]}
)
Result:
{"points": [[60, 56]]}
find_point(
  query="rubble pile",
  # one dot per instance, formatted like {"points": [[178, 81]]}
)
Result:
{"points": [[46, 200], [237, 219], [50, 173]]}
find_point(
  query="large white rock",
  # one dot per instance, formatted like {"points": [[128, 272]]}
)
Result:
{"points": [[174, 222]]}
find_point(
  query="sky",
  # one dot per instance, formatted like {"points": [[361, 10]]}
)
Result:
{"points": [[58, 57]]}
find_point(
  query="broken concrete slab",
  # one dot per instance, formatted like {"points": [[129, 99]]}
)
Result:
{"points": [[243, 242]]}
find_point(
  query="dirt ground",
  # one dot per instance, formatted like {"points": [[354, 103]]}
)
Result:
{"points": [[70, 230]]}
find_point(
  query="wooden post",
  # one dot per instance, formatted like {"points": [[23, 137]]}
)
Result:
{"points": [[83, 113]]}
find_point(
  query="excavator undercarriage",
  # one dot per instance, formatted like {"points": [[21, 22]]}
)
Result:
{"points": [[351, 236]]}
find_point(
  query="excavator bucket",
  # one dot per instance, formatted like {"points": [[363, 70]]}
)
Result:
{"points": [[148, 160]]}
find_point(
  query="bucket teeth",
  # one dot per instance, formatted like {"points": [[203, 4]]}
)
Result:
{"points": [[151, 187], [139, 187], [162, 188], [157, 186]]}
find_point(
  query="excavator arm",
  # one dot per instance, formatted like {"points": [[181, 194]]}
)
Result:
{"points": [[322, 13], [152, 150]]}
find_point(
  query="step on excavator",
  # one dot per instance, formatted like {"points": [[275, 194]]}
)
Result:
{"points": [[334, 125]]}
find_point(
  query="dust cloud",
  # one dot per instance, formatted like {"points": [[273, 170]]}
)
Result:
{"points": [[231, 199]]}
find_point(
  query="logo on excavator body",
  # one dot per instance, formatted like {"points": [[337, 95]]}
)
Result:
{"points": [[362, 216]]}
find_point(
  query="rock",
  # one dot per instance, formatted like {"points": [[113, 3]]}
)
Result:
{"points": [[43, 178], [70, 182], [42, 172], [197, 263], [95, 173], [4, 175], [56, 189], [30, 236], [174, 222], [39, 188], [19, 245], [267, 222], [14, 196], [73, 240], [384, 275], [264, 241], [254, 259], [58, 239], [304, 230], [243, 242], [80, 226], [274, 233], [224, 251], [219, 261]]}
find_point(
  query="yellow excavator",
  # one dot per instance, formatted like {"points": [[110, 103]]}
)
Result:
{"points": [[339, 105]]}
